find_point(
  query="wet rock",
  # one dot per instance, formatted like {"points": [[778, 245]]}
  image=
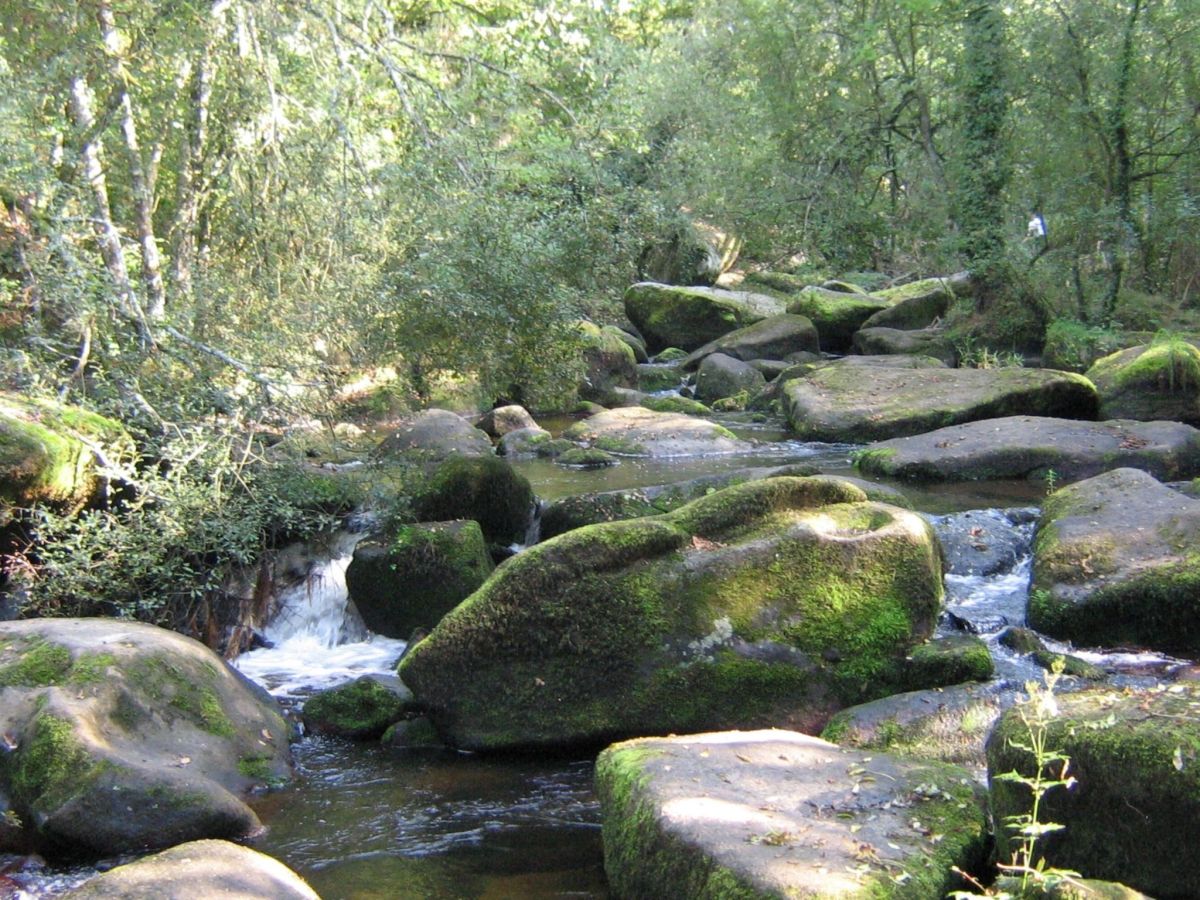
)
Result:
{"points": [[1033, 447], [836, 403], [1114, 564], [779, 814], [359, 710], [654, 377], [681, 405], [689, 317], [214, 870], [1135, 810], [982, 541], [1028, 643], [415, 574], [948, 660], [105, 716], [637, 627]]}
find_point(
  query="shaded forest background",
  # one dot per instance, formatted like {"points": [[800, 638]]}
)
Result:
{"points": [[222, 212]]}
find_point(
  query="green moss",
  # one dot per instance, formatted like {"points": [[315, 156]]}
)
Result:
{"points": [[587, 458], [873, 461], [52, 766], [38, 663], [361, 710], [256, 767], [952, 660], [91, 668], [671, 354], [681, 405], [735, 403], [486, 489], [614, 444], [553, 448], [190, 692]]}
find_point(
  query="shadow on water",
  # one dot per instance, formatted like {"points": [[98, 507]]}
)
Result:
{"points": [[361, 822]]}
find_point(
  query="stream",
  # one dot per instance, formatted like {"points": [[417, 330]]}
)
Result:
{"points": [[361, 822]]}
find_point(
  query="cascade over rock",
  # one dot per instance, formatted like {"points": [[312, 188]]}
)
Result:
{"points": [[779, 600]]}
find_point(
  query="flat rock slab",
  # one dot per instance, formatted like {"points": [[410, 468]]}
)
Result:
{"points": [[1114, 562], [1032, 446], [781, 814], [636, 431], [840, 403]]}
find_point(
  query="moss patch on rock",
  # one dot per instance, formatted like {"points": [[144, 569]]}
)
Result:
{"points": [[486, 489], [360, 710]]}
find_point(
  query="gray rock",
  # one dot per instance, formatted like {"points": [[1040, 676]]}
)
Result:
{"points": [[689, 317], [214, 870], [836, 403], [500, 421], [433, 435], [772, 338], [723, 376], [1114, 564], [106, 716], [1033, 446], [636, 431], [524, 441], [892, 341], [780, 814]]}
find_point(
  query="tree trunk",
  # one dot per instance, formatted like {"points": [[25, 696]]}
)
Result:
{"points": [[140, 187], [1124, 229], [107, 236]]}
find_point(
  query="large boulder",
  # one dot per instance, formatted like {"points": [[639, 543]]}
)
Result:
{"points": [[918, 304], [104, 716], [637, 431], [1134, 812], [689, 317], [214, 870], [488, 490], [609, 362], [894, 342], [415, 574], [836, 403], [693, 253], [780, 600], [433, 435], [1152, 381], [1033, 447], [1114, 563], [502, 420], [54, 453], [780, 814], [772, 338], [835, 314], [723, 376]]}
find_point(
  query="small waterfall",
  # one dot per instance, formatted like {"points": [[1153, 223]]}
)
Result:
{"points": [[317, 639]]}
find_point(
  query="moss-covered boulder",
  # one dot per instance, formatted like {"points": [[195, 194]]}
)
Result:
{"points": [[654, 377], [360, 710], [950, 660], [1133, 815], [214, 870], [1034, 446], [637, 431], [835, 314], [103, 717], [930, 342], [524, 442], [586, 458], [780, 600], [836, 403], [723, 376], [486, 489], [772, 338], [609, 361], [949, 724], [433, 435], [1160, 380], [414, 575], [691, 252], [54, 453], [689, 317], [778, 814], [918, 304], [1115, 562]]}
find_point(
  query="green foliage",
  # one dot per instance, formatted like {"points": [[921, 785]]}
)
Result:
{"points": [[207, 506]]}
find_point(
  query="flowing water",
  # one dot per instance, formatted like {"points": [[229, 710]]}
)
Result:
{"points": [[362, 822]]}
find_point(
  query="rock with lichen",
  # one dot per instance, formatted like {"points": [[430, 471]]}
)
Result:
{"points": [[102, 717], [776, 601]]}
